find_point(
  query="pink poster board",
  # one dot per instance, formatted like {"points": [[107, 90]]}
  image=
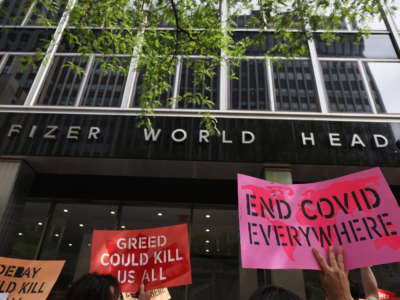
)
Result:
{"points": [[281, 223]]}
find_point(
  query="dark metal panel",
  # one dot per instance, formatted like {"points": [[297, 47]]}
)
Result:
{"points": [[276, 141]]}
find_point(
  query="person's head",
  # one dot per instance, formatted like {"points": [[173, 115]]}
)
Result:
{"points": [[273, 293], [355, 290], [94, 287]]}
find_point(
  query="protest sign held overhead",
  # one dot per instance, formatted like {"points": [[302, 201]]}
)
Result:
{"points": [[281, 223], [28, 279], [156, 257]]}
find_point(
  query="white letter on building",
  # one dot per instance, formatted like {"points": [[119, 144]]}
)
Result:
{"points": [[49, 134], [178, 140], [154, 137], [15, 128], [305, 138], [93, 133], [73, 132], [378, 144], [249, 141], [33, 131], [224, 140], [203, 136], [356, 140], [334, 139]]}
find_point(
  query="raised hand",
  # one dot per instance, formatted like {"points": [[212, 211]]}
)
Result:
{"points": [[334, 278]]}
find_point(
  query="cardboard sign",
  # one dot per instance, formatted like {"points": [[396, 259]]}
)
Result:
{"points": [[281, 223], [28, 279], [157, 294], [156, 257]]}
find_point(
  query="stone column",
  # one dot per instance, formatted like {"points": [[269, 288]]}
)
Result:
{"points": [[16, 179]]}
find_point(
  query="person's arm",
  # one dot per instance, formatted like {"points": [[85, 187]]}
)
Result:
{"points": [[144, 295], [334, 277], [369, 283]]}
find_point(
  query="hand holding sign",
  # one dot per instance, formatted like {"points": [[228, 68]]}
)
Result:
{"points": [[334, 276], [156, 257]]}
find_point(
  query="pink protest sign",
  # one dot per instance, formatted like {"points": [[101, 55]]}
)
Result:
{"points": [[281, 223]]}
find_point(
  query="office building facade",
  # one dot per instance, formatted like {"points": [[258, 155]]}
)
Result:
{"points": [[72, 158]]}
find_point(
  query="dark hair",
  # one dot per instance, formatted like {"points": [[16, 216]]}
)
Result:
{"points": [[355, 290], [273, 293], [94, 286]]}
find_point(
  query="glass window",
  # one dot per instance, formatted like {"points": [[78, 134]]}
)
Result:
{"points": [[41, 15], [372, 23], [140, 89], [214, 243], [191, 84], [395, 12], [24, 229], [105, 88], [94, 40], [373, 46], [62, 84], [214, 255], [12, 12], [249, 20], [16, 79], [24, 40], [69, 237], [266, 43], [384, 78], [344, 86], [250, 89], [294, 86]]}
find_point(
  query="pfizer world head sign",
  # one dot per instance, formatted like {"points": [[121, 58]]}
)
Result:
{"points": [[281, 223]]}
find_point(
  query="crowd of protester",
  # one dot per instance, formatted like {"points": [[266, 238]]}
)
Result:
{"points": [[333, 274]]}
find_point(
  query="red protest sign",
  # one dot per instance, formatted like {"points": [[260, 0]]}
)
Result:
{"points": [[157, 257], [383, 294]]}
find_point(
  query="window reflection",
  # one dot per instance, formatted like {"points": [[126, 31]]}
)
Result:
{"points": [[62, 84], [383, 78], [13, 11], [250, 89], [373, 46], [69, 237], [140, 89], [134, 217], [396, 14], [372, 23], [264, 43], [344, 86], [26, 225], [24, 40], [105, 88], [249, 20], [43, 16], [294, 86], [190, 83], [214, 252], [16, 78]]}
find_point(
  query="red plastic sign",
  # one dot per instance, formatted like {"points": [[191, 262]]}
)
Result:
{"points": [[156, 257]]}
